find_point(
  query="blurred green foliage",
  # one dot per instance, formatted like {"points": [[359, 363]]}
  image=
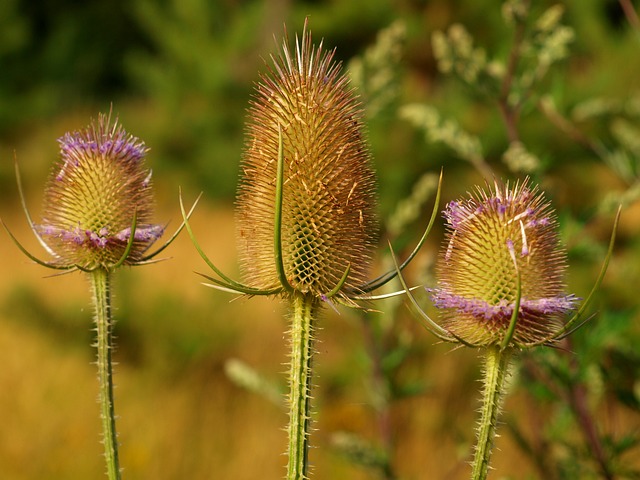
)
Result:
{"points": [[57, 55], [546, 89]]}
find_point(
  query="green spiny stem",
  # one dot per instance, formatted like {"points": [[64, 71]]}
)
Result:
{"points": [[305, 310], [495, 372], [100, 283]]}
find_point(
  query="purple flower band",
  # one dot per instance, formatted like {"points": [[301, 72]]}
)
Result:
{"points": [[481, 309], [76, 146], [101, 239]]}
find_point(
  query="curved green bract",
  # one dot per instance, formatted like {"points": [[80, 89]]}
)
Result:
{"points": [[277, 230], [175, 234], [33, 257], [226, 284], [514, 316], [428, 322], [132, 237], [23, 202], [385, 278], [340, 283]]}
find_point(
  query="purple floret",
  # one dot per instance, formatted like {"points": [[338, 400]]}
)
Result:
{"points": [[482, 310], [454, 214], [142, 234], [102, 238], [75, 146]]}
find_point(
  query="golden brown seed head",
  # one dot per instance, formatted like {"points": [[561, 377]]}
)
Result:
{"points": [[329, 202]]}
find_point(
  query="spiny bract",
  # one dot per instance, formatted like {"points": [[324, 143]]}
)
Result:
{"points": [[488, 235], [93, 194], [329, 220]]}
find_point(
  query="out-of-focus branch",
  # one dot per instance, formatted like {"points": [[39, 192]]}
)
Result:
{"points": [[630, 13], [578, 401], [510, 113], [565, 125]]}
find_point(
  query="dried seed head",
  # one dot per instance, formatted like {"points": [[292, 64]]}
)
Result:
{"points": [[329, 202], [93, 193], [488, 234]]}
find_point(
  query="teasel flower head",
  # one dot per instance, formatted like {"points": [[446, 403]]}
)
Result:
{"points": [[500, 275], [306, 204], [502, 249], [305, 112], [98, 203]]}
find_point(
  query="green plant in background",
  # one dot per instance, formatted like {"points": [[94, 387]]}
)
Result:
{"points": [[387, 344], [97, 217], [376, 73], [510, 84], [197, 76], [306, 206], [619, 149], [516, 84], [501, 289]]}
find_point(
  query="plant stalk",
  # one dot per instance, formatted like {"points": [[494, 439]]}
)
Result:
{"points": [[305, 310], [100, 283], [495, 372]]}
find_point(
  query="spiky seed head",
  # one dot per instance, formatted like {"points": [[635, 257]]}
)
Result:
{"points": [[487, 235], [95, 189], [329, 219]]}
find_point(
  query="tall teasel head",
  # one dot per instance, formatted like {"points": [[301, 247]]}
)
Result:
{"points": [[306, 120], [306, 205], [501, 272]]}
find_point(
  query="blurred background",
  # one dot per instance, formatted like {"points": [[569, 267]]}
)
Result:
{"points": [[478, 88]]}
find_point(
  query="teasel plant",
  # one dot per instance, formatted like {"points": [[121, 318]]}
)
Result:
{"points": [[501, 289], [306, 210], [97, 217]]}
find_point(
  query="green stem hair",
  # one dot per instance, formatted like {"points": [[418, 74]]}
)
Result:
{"points": [[495, 372], [100, 283], [305, 311]]}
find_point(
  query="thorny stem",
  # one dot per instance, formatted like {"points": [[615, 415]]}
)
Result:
{"points": [[100, 283], [305, 311], [495, 372]]}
